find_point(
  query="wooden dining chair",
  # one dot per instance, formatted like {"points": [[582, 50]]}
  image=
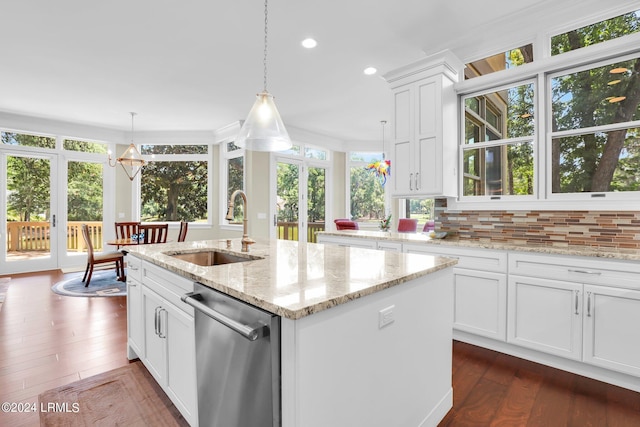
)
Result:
{"points": [[154, 233], [94, 258], [182, 234], [124, 230]]}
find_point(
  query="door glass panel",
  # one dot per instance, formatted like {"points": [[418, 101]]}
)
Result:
{"points": [[316, 191], [28, 208], [288, 201], [84, 204]]}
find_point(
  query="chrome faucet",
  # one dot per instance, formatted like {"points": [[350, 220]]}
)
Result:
{"points": [[246, 240]]}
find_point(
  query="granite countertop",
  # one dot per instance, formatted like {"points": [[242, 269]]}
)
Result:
{"points": [[603, 252], [295, 280]]}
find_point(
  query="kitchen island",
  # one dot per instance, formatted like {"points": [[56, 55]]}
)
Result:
{"points": [[365, 335]]}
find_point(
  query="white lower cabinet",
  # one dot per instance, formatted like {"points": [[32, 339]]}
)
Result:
{"points": [[545, 315], [612, 328], [479, 286], [594, 324], [163, 335]]}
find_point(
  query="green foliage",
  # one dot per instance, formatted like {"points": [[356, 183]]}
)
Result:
{"points": [[84, 191], [28, 188], [288, 183], [367, 195], [174, 191]]}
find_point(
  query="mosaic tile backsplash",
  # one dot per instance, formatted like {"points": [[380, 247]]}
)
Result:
{"points": [[607, 229]]}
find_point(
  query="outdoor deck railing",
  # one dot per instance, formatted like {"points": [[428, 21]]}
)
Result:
{"points": [[289, 230], [33, 236]]}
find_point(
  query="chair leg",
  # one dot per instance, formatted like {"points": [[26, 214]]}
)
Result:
{"points": [[89, 278], [85, 272]]}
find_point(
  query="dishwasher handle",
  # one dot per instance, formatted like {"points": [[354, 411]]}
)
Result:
{"points": [[250, 332]]}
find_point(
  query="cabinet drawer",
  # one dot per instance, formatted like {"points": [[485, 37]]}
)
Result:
{"points": [[577, 269], [473, 259], [390, 246], [168, 285], [134, 268]]}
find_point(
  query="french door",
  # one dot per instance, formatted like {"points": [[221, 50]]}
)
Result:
{"points": [[300, 200], [46, 199], [29, 219]]}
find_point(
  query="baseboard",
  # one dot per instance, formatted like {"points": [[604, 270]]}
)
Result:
{"points": [[440, 411]]}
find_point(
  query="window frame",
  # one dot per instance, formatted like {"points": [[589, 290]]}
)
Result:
{"points": [[504, 142], [543, 66], [225, 156], [137, 193], [388, 208]]}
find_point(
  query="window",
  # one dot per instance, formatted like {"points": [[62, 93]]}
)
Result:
{"points": [[232, 158], [595, 145], [174, 186], [498, 143], [26, 140], [599, 32], [501, 61], [367, 197], [588, 137], [421, 209]]}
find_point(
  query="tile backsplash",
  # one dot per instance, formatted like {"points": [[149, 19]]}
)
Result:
{"points": [[607, 229]]}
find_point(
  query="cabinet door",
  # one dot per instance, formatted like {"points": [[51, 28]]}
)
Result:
{"points": [[401, 137], [181, 361], [135, 320], [427, 152], [612, 328], [154, 343], [480, 303], [545, 315]]}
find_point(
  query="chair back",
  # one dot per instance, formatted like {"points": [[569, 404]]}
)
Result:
{"points": [[87, 241], [182, 234], [407, 225], [346, 225], [124, 230], [154, 233]]}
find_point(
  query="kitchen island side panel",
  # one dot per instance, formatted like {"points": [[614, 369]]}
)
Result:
{"points": [[340, 368]]}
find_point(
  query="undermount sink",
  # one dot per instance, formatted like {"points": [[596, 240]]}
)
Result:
{"points": [[209, 258]]}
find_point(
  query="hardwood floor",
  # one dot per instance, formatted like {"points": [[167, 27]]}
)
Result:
{"points": [[494, 389], [47, 340]]}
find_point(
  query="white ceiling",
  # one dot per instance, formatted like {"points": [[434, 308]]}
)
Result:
{"points": [[197, 65]]}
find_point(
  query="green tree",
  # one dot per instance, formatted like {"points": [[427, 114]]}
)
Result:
{"points": [[174, 191]]}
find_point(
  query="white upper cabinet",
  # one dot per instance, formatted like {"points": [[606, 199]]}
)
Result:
{"points": [[424, 127]]}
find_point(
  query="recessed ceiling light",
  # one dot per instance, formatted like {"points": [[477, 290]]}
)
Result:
{"points": [[617, 99], [614, 82], [309, 43], [369, 71]]}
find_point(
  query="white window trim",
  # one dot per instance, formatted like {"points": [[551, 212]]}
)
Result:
{"points": [[540, 70], [225, 156]]}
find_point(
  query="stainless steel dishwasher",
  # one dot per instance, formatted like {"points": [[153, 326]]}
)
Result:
{"points": [[237, 361]]}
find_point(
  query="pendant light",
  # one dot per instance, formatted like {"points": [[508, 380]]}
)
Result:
{"points": [[131, 160], [381, 169], [263, 129]]}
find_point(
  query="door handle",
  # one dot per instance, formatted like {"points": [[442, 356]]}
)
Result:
{"points": [[166, 319], [250, 332], [155, 321], [53, 220]]}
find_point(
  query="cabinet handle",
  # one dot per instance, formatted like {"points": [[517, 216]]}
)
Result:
{"points": [[160, 333], [588, 304], [417, 188], [577, 294], [131, 283], [597, 273], [155, 320], [132, 267], [410, 182]]}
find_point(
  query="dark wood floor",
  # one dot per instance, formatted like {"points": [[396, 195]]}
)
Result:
{"points": [[47, 340]]}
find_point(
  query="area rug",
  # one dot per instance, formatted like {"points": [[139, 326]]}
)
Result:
{"points": [[103, 284], [127, 396], [4, 286]]}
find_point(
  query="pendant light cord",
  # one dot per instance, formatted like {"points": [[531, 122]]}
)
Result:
{"points": [[265, 46], [132, 116]]}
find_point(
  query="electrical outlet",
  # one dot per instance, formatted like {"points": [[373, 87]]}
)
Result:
{"points": [[385, 316]]}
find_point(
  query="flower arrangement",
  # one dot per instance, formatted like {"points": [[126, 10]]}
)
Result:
{"points": [[385, 224]]}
